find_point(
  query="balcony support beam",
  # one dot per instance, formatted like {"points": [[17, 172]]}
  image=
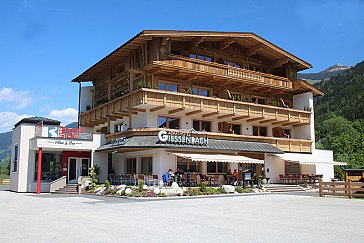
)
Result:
{"points": [[255, 119], [193, 112], [267, 121], [176, 110], [157, 108], [210, 114], [239, 118], [225, 116]]}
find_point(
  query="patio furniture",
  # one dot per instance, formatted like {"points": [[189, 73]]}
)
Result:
{"points": [[139, 177], [215, 179], [282, 179], [128, 179], [112, 179], [193, 179]]}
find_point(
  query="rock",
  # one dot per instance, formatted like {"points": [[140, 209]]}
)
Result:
{"points": [[228, 188], [156, 190], [112, 187], [100, 189], [145, 187], [87, 183], [184, 189], [256, 190], [120, 191], [121, 187], [128, 191], [169, 192], [178, 189]]}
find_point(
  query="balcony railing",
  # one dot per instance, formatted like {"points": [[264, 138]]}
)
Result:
{"points": [[285, 144], [172, 103], [231, 74]]}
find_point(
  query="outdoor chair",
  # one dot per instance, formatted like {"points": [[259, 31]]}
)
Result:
{"points": [[139, 177], [281, 178], [215, 179], [193, 180], [128, 179], [112, 179]]}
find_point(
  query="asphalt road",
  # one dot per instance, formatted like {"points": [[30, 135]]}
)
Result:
{"points": [[257, 218]]}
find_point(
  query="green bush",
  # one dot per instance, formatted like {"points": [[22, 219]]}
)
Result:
{"points": [[140, 185], [107, 184], [203, 186], [239, 189]]}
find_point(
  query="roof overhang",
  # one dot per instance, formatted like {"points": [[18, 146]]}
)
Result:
{"points": [[128, 47], [219, 158], [300, 86], [308, 159]]}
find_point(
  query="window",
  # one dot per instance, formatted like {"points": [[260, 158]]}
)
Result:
{"points": [[260, 131], [202, 57], [168, 86], [118, 127], [120, 68], [130, 166], [216, 167], [292, 168], [200, 91], [188, 165], [229, 128], [15, 160], [168, 122], [51, 166], [261, 101], [202, 126], [232, 64], [235, 96], [146, 165]]}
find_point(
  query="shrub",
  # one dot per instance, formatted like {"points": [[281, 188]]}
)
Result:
{"points": [[140, 185], [239, 189], [107, 184], [203, 187]]}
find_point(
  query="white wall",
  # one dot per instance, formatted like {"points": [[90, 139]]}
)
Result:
{"points": [[304, 132], [100, 159], [275, 166], [86, 97]]}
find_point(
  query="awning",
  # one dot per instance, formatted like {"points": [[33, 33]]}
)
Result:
{"points": [[307, 159], [220, 158]]}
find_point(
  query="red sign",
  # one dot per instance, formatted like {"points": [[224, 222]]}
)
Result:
{"points": [[71, 133]]}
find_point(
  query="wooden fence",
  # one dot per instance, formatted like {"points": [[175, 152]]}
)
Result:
{"points": [[4, 181], [347, 189]]}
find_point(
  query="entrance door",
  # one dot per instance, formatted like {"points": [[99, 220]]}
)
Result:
{"points": [[77, 167]]}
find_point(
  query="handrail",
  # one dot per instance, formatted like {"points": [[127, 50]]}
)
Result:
{"points": [[225, 66], [58, 183]]}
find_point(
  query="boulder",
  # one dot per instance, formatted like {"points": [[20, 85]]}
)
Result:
{"points": [[156, 190], [169, 192], [128, 191], [178, 189], [228, 188], [120, 191], [145, 187], [121, 187], [184, 189]]}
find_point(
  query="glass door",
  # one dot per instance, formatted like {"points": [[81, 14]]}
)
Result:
{"points": [[84, 166], [72, 169]]}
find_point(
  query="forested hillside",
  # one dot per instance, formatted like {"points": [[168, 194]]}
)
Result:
{"points": [[340, 116]]}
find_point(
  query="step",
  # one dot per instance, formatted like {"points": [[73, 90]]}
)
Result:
{"points": [[68, 189], [283, 188]]}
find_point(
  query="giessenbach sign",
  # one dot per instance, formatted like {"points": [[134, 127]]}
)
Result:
{"points": [[187, 137]]}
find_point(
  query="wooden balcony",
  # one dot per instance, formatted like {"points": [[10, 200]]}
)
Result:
{"points": [[285, 144], [181, 104], [224, 74]]}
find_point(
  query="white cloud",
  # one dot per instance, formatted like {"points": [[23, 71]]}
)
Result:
{"points": [[15, 99], [8, 120], [66, 116]]}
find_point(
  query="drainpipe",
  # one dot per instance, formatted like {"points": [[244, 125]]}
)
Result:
{"points": [[79, 105]]}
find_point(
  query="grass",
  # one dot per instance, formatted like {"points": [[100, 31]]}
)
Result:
{"points": [[4, 177]]}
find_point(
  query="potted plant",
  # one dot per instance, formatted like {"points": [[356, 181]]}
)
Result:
{"points": [[263, 177]]}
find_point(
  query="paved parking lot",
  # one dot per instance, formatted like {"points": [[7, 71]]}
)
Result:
{"points": [[257, 218]]}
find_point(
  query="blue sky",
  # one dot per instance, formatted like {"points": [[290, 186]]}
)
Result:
{"points": [[44, 44]]}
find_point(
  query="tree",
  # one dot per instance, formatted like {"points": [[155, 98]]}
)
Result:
{"points": [[7, 171]]}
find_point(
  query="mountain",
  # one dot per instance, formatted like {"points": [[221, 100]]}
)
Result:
{"points": [[72, 125], [325, 74], [339, 116]]}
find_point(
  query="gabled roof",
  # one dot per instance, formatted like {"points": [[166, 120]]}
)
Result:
{"points": [[37, 119], [248, 39]]}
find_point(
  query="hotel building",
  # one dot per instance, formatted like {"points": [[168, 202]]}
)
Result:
{"points": [[200, 101]]}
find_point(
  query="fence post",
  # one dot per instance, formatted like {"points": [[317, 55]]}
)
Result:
{"points": [[320, 187], [350, 192]]}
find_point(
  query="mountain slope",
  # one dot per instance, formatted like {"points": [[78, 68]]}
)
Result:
{"points": [[325, 74], [344, 94]]}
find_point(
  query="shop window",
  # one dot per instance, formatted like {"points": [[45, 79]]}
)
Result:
{"points": [[216, 167], [202, 126], [15, 160], [146, 165], [188, 165], [260, 131], [130, 166], [51, 166], [261, 101], [200, 91], [168, 86], [168, 122]]}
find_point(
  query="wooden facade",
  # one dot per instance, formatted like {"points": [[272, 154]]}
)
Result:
{"points": [[247, 79]]}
